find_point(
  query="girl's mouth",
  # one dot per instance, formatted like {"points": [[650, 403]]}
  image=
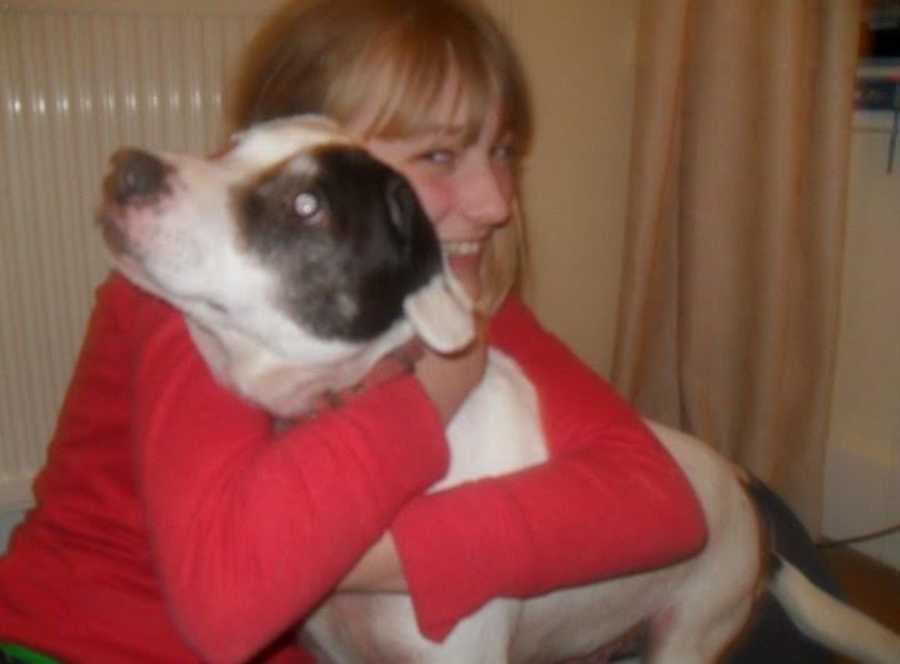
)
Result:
{"points": [[460, 249]]}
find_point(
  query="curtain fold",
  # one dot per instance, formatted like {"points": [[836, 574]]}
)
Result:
{"points": [[728, 314]]}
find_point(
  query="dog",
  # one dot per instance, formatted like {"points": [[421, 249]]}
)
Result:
{"points": [[298, 261]]}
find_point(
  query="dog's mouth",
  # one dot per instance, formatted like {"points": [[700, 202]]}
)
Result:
{"points": [[125, 248], [113, 220], [113, 236]]}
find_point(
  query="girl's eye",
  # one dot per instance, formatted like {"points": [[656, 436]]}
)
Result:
{"points": [[440, 157], [505, 152]]}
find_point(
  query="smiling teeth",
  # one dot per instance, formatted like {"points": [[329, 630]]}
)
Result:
{"points": [[462, 248]]}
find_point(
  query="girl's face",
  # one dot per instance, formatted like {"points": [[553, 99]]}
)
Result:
{"points": [[467, 187]]}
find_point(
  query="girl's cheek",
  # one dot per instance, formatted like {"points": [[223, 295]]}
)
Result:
{"points": [[506, 180], [437, 199]]}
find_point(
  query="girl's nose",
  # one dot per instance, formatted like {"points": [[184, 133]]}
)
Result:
{"points": [[488, 196]]}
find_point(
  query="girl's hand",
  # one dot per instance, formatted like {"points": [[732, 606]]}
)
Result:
{"points": [[378, 571], [396, 363], [448, 379]]}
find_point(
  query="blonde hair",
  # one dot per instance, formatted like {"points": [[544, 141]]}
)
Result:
{"points": [[334, 57]]}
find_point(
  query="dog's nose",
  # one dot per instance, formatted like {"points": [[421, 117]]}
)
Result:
{"points": [[135, 174]]}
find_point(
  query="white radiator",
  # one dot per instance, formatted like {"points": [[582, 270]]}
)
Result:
{"points": [[79, 78]]}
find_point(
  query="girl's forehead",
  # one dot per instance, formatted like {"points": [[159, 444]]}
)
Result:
{"points": [[452, 108], [392, 109], [448, 115], [456, 112], [441, 105]]}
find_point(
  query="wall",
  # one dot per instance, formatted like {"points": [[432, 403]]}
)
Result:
{"points": [[863, 469], [582, 57]]}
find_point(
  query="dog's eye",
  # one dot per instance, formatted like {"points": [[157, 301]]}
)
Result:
{"points": [[307, 205]]}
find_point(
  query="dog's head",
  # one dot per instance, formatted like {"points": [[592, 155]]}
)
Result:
{"points": [[293, 252]]}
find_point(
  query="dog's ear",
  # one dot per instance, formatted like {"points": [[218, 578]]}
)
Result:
{"points": [[402, 203], [441, 313]]}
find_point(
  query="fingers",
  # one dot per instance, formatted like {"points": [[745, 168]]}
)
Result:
{"points": [[398, 362], [448, 379]]}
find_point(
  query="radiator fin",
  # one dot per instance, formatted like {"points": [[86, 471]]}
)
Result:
{"points": [[79, 79]]}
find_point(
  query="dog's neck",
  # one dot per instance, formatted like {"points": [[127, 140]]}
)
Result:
{"points": [[284, 387]]}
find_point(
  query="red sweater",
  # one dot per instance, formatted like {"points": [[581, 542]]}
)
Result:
{"points": [[172, 525]]}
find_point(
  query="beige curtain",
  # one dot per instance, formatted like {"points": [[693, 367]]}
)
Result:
{"points": [[729, 307]]}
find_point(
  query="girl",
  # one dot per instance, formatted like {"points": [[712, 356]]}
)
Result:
{"points": [[173, 525]]}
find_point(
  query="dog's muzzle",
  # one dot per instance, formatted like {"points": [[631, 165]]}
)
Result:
{"points": [[137, 180]]}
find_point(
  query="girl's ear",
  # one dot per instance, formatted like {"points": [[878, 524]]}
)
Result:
{"points": [[442, 314]]}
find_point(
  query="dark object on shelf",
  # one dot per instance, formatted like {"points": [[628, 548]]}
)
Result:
{"points": [[880, 30]]}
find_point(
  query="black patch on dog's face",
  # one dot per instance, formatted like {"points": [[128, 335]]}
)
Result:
{"points": [[346, 237]]}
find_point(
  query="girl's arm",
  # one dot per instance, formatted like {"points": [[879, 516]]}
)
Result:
{"points": [[609, 501], [249, 530], [445, 379]]}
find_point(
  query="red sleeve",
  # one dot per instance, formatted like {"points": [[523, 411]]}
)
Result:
{"points": [[610, 500], [250, 531]]}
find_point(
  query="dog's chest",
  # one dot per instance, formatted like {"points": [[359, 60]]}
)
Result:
{"points": [[498, 428], [497, 431]]}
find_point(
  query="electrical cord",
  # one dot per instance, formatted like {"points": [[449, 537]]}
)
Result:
{"points": [[875, 534]]}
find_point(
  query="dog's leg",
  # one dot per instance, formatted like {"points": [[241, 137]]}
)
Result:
{"points": [[708, 612], [697, 634], [372, 629]]}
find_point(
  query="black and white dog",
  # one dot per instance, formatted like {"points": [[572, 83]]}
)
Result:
{"points": [[298, 261]]}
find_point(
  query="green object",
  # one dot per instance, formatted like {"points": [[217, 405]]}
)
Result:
{"points": [[24, 654]]}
